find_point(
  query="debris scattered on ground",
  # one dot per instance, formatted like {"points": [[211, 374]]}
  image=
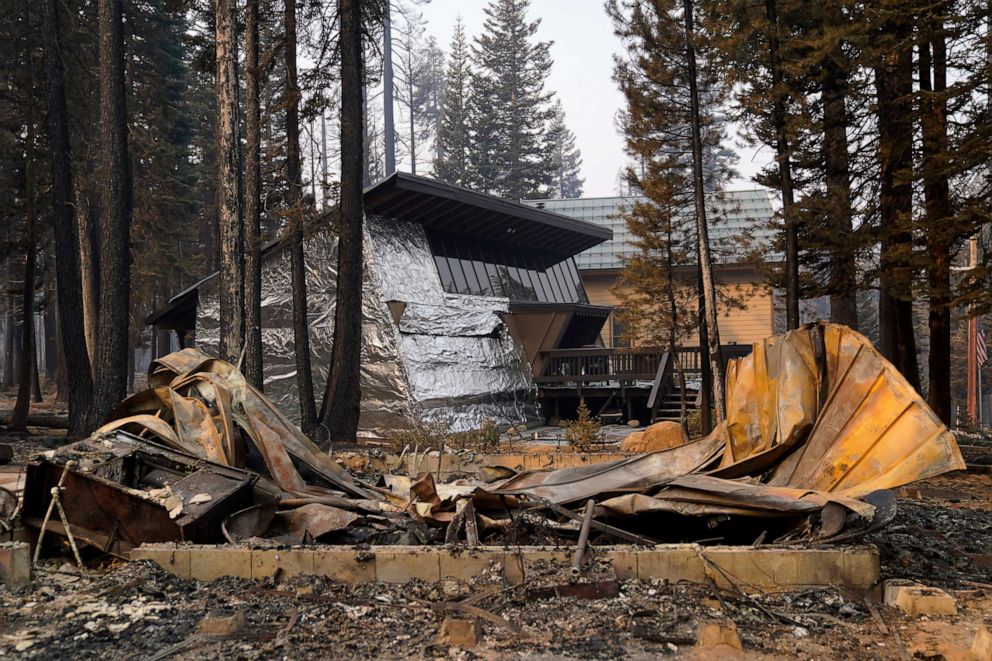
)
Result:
{"points": [[818, 427]]}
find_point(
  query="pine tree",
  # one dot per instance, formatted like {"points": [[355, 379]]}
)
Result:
{"points": [[229, 212], [115, 223], [429, 94], [253, 364], [19, 416], [301, 326], [409, 69], [565, 157], [77, 363], [509, 107], [659, 125], [342, 397], [453, 140], [892, 61]]}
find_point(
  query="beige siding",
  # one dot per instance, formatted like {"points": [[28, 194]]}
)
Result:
{"points": [[738, 324], [597, 286]]}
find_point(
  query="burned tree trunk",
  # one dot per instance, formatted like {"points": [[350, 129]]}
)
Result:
{"points": [[783, 156], [87, 247], [229, 217], [894, 88], [115, 225], [936, 189], [705, 262], [843, 267], [27, 369], [252, 203], [342, 399], [70, 295], [301, 327]]}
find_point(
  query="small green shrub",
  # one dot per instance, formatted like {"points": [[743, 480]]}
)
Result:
{"points": [[584, 432]]}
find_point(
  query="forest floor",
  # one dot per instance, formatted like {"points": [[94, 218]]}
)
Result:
{"points": [[942, 537]]}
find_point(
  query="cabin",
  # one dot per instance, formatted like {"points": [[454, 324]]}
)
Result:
{"points": [[624, 377], [463, 294]]}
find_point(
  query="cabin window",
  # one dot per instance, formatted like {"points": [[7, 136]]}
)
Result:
{"points": [[620, 332], [469, 265]]}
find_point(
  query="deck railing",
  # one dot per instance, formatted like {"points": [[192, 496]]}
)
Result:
{"points": [[594, 365]]}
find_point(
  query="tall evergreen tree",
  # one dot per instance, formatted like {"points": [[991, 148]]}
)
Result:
{"points": [[453, 140], [509, 107], [230, 219], [409, 67], [564, 157], [253, 365], [74, 354], [659, 128], [429, 93], [342, 397], [893, 69], [115, 221], [22, 405], [301, 326]]}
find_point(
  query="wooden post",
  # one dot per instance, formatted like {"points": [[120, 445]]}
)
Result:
{"points": [[973, 348]]}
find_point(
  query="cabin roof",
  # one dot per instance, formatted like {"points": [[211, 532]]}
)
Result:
{"points": [[443, 207], [440, 206], [740, 224]]}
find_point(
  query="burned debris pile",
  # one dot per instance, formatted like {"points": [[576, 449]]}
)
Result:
{"points": [[819, 428]]}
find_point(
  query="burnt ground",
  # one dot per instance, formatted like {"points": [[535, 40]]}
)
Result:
{"points": [[942, 537]]}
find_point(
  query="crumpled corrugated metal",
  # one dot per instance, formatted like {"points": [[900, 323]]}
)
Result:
{"points": [[814, 416], [205, 403]]}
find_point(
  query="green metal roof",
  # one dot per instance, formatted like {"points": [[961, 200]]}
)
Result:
{"points": [[739, 223]]}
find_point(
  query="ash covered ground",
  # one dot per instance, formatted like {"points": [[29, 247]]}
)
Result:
{"points": [[942, 537]]}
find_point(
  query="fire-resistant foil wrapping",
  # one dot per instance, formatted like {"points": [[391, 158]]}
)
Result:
{"points": [[449, 355]]}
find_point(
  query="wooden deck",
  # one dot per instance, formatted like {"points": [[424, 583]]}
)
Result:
{"points": [[640, 383]]}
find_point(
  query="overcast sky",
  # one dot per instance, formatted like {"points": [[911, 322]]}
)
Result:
{"points": [[582, 50]]}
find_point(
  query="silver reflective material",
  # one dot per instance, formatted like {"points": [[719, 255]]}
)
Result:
{"points": [[448, 320], [449, 355], [277, 318]]}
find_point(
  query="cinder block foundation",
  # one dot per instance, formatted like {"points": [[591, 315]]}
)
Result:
{"points": [[15, 564], [766, 569], [915, 599]]}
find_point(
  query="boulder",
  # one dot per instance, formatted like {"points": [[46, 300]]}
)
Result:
{"points": [[662, 435]]}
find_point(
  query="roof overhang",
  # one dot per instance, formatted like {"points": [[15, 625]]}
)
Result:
{"points": [[578, 309], [444, 207]]}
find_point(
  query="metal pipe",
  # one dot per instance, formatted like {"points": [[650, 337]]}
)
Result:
{"points": [[580, 550]]}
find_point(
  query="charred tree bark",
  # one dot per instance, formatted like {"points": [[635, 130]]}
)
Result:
{"points": [[230, 221], [843, 266], [301, 326], [388, 90], [894, 88], [51, 328], [27, 369], [936, 189], [705, 367], [783, 155], [76, 359], [253, 214], [87, 247], [115, 222], [705, 262], [9, 360], [342, 399]]}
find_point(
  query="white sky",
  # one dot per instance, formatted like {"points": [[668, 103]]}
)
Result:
{"points": [[582, 50]]}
